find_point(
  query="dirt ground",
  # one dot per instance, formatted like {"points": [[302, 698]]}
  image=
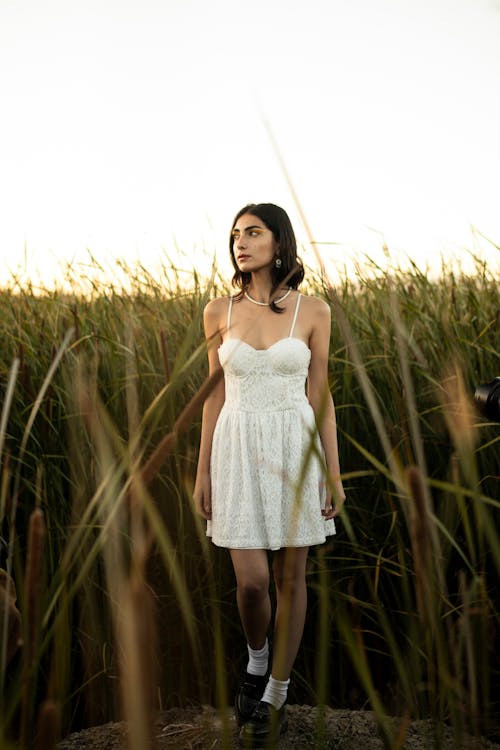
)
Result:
{"points": [[201, 729]]}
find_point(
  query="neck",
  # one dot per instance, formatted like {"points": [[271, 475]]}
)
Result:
{"points": [[260, 288], [260, 292]]}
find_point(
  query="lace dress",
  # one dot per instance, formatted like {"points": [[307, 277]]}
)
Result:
{"points": [[266, 477]]}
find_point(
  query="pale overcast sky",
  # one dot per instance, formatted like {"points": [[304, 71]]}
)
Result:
{"points": [[130, 126]]}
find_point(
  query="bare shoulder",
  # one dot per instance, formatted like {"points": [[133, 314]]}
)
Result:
{"points": [[215, 307], [315, 308], [214, 315]]}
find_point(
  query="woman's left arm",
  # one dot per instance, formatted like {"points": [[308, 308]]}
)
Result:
{"points": [[321, 400]]}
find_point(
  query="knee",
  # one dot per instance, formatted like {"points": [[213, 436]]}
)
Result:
{"points": [[253, 589], [290, 582]]}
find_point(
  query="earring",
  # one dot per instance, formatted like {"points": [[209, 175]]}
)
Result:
{"points": [[277, 262]]}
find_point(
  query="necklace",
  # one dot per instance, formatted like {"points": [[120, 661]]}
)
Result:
{"points": [[266, 304]]}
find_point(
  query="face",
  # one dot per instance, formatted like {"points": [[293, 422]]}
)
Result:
{"points": [[254, 245]]}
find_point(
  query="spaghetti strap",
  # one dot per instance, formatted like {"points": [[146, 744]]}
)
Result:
{"points": [[295, 314], [229, 310]]}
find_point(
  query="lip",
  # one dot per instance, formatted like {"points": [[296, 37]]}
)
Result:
{"points": [[242, 256]]}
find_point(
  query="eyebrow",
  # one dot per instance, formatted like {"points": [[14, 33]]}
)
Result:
{"points": [[246, 229]]}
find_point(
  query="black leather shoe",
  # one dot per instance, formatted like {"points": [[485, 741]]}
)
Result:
{"points": [[264, 727], [248, 696]]}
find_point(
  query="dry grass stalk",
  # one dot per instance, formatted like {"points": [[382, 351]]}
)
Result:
{"points": [[472, 614], [33, 579], [184, 421], [402, 734], [10, 617], [164, 354], [421, 540], [32, 597], [49, 725], [466, 624], [137, 641], [138, 530], [459, 412]]}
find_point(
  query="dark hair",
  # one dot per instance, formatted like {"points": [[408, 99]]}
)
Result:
{"points": [[291, 271]]}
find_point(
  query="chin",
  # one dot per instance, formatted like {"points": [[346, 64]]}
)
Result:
{"points": [[251, 266]]}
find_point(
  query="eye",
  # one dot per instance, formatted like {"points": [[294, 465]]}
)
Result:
{"points": [[254, 233]]}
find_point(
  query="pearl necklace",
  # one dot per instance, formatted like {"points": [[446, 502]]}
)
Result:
{"points": [[266, 304]]}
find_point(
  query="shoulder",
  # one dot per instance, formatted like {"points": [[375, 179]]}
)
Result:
{"points": [[316, 308], [317, 318], [215, 307], [214, 314]]}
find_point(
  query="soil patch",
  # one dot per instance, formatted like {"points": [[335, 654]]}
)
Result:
{"points": [[201, 729]]}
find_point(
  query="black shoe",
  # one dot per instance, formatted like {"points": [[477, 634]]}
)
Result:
{"points": [[248, 696], [264, 726]]}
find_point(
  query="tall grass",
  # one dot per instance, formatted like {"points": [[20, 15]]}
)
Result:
{"points": [[133, 610]]}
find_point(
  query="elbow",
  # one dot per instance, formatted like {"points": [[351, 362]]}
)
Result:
{"points": [[322, 406], [320, 398], [215, 398]]}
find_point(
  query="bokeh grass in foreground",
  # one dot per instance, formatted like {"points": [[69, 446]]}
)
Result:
{"points": [[134, 609]]}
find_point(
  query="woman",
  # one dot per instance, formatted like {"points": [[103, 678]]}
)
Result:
{"points": [[264, 445]]}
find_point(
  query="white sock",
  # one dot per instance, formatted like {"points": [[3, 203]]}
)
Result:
{"points": [[276, 692], [257, 659]]}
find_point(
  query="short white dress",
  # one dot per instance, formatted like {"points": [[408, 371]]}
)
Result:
{"points": [[267, 478]]}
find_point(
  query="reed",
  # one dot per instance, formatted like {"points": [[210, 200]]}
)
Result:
{"points": [[102, 390], [48, 726], [33, 585]]}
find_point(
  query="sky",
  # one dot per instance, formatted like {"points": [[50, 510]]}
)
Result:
{"points": [[135, 130]]}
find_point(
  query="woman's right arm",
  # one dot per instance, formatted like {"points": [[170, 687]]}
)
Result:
{"points": [[212, 316]]}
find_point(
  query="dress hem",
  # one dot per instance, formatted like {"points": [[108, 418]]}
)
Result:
{"points": [[272, 548]]}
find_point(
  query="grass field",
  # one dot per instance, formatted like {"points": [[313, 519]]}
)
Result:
{"points": [[125, 605]]}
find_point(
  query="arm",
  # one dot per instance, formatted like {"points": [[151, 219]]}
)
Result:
{"points": [[211, 409], [321, 401]]}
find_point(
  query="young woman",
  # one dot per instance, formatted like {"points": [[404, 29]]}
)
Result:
{"points": [[265, 440]]}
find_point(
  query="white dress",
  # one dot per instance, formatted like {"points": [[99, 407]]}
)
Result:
{"points": [[267, 479]]}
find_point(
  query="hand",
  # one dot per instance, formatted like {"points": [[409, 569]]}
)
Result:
{"points": [[202, 496], [333, 510]]}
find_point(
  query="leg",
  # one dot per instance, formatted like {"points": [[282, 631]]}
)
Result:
{"points": [[289, 569], [252, 579], [268, 720], [252, 593]]}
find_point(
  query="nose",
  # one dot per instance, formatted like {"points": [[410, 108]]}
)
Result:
{"points": [[240, 242]]}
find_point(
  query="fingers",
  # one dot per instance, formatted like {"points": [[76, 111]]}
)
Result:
{"points": [[330, 510], [339, 504], [207, 505], [203, 505]]}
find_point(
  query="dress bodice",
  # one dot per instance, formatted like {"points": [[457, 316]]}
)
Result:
{"points": [[263, 379]]}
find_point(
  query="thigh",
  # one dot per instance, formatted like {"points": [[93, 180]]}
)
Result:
{"points": [[250, 566], [290, 564]]}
